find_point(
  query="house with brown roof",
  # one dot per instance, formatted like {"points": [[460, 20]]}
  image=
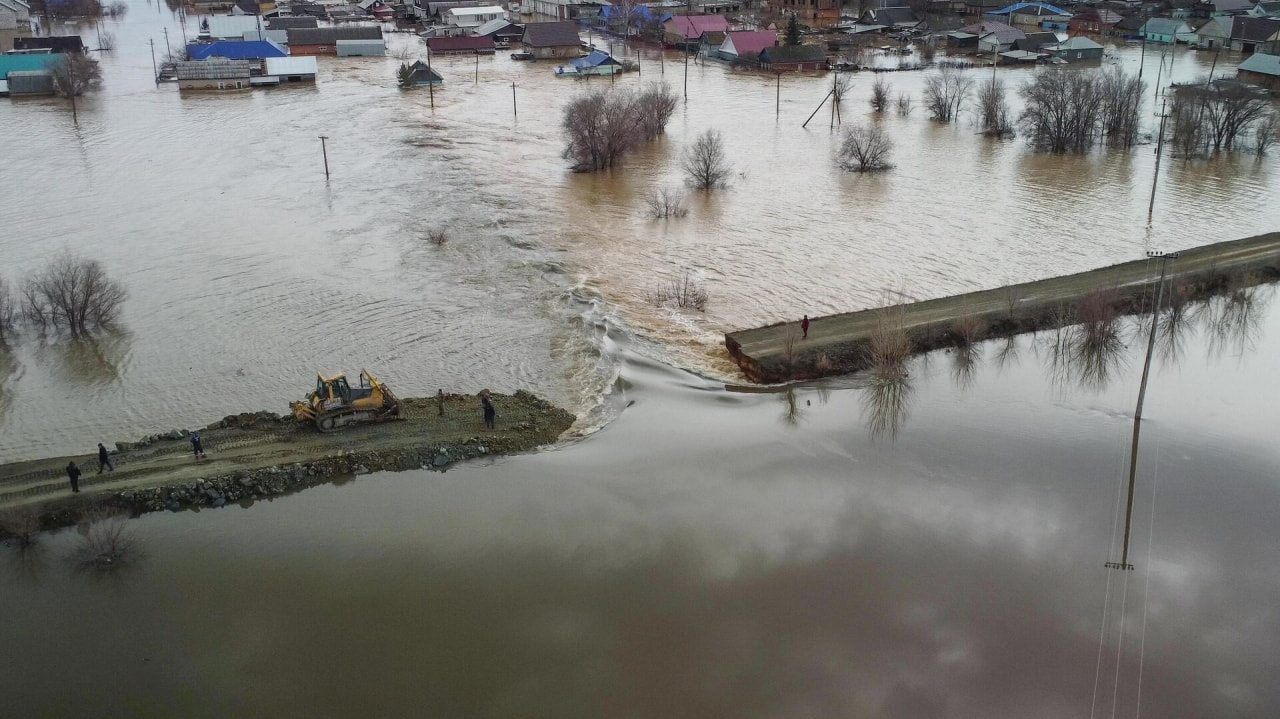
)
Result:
{"points": [[687, 30], [546, 40], [461, 45], [1094, 22], [793, 58]]}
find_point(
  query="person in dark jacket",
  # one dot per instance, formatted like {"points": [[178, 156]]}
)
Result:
{"points": [[489, 412], [104, 460], [73, 474], [197, 447], [804, 326]]}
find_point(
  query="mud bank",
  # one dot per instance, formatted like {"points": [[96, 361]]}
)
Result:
{"points": [[262, 455], [840, 344]]}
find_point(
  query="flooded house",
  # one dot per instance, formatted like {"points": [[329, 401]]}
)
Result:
{"points": [[229, 27], [291, 23], [501, 31], [1248, 33], [745, 45], [1167, 31], [420, 73], [1262, 70], [1076, 48], [460, 45], [552, 40], [18, 73], [291, 69], [324, 40], [793, 58], [686, 30], [14, 15], [214, 74], [236, 50], [53, 43]]}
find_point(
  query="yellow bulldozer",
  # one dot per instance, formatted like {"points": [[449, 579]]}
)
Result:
{"points": [[335, 403]]}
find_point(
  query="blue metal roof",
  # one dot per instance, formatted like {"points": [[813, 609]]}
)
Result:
{"points": [[1018, 6], [237, 50], [26, 63], [595, 59]]}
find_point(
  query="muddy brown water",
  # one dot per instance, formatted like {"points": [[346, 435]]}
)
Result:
{"points": [[248, 271], [737, 554]]}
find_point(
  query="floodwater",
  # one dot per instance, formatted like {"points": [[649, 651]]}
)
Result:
{"points": [[713, 552], [851, 548], [248, 271]]}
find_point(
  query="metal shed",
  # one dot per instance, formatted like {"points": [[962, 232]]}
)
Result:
{"points": [[361, 48], [31, 82]]}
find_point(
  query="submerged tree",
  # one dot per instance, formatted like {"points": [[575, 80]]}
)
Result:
{"points": [[880, 92], [1121, 98], [946, 92], [604, 125], [705, 163], [72, 293], [74, 75], [993, 109], [865, 148], [404, 76], [1062, 111], [8, 313]]}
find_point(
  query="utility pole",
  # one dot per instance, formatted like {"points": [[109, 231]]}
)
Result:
{"points": [[515, 112], [477, 68], [154, 72], [325, 153], [835, 99], [686, 75], [777, 101], [1142, 58], [166, 43], [1137, 415], [1164, 115]]}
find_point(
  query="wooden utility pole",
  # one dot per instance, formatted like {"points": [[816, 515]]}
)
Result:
{"points": [[686, 75], [166, 43], [1137, 415], [777, 101], [514, 111], [155, 72], [477, 68], [1155, 176], [324, 152]]}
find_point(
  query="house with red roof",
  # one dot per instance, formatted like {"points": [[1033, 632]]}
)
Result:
{"points": [[745, 45], [686, 30]]}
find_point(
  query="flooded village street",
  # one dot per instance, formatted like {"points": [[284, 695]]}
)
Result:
{"points": [[694, 546]]}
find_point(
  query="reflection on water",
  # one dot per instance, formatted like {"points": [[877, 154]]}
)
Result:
{"points": [[1234, 320], [91, 361], [8, 368], [886, 401]]}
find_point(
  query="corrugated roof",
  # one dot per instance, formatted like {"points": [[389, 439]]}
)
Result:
{"points": [[1254, 29], [301, 65], [237, 50], [482, 10], [331, 35], [1031, 8], [1166, 26], [793, 53], [551, 34], [216, 69], [692, 26], [749, 43], [292, 23], [460, 44], [232, 25], [492, 26], [1075, 43], [595, 59], [1260, 63]]}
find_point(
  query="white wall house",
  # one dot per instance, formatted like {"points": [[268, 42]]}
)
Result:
{"points": [[14, 14], [472, 17]]}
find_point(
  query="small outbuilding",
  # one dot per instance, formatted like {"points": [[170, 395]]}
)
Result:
{"points": [[361, 48], [31, 82], [292, 69], [500, 30], [324, 40], [420, 73], [746, 45], [54, 43]]}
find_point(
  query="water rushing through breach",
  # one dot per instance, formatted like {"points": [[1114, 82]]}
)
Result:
{"points": [[248, 271]]}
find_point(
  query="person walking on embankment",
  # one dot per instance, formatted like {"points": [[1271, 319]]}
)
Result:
{"points": [[197, 447], [489, 412], [104, 460], [804, 327], [73, 474]]}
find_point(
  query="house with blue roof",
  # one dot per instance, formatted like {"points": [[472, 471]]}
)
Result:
{"points": [[597, 63], [1035, 14], [237, 50]]}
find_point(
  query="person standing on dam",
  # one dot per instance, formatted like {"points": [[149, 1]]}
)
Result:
{"points": [[73, 474]]}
